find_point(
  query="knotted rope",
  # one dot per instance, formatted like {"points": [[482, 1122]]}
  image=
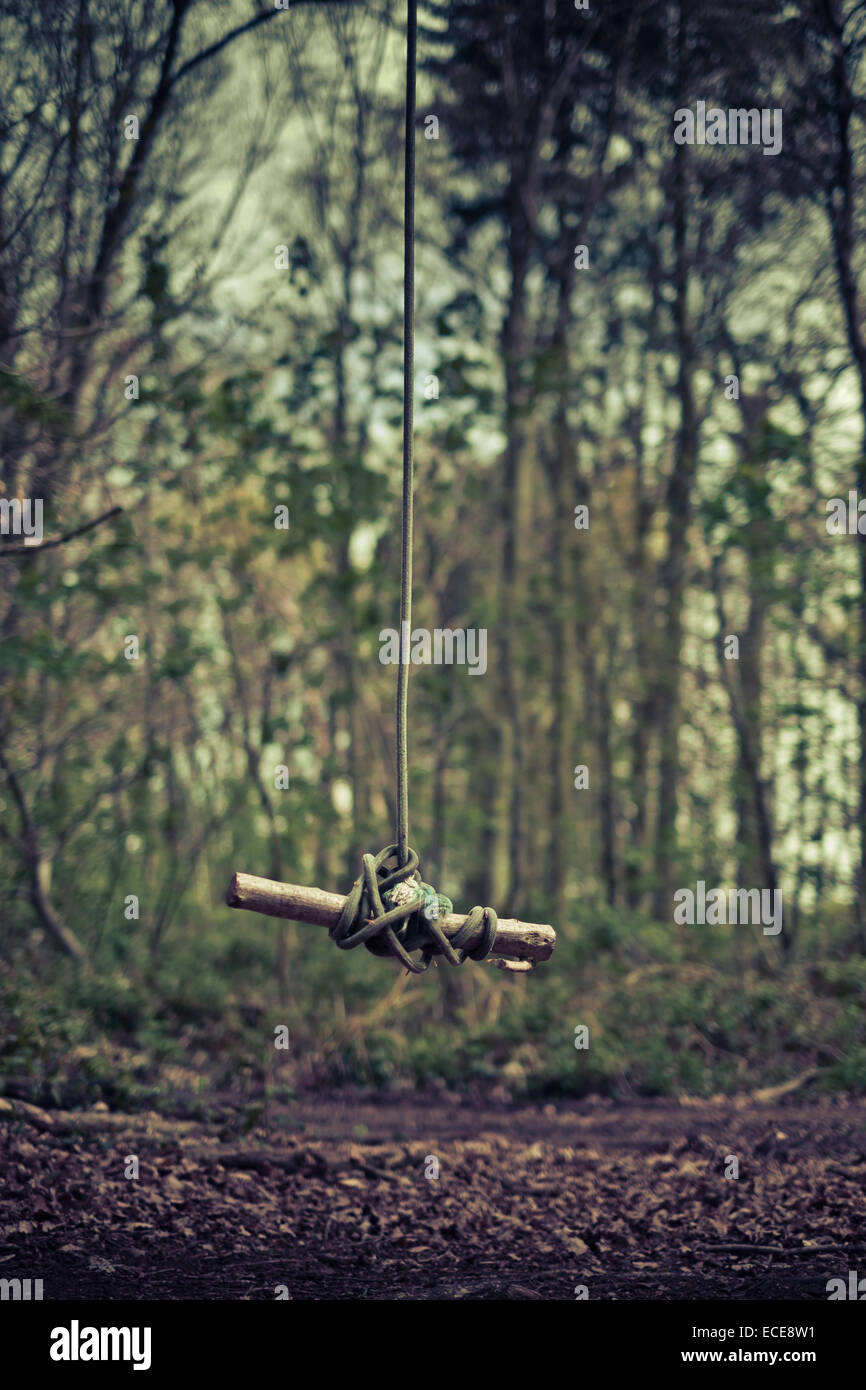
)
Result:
{"points": [[391, 911]]}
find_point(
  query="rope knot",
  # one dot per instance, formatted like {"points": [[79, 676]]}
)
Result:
{"points": [[392, 911]]}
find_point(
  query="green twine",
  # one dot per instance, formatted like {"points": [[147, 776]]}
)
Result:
{"points": [[392, 911]]}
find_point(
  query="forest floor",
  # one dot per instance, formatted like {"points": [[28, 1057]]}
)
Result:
{"points": [[328, 1199]]}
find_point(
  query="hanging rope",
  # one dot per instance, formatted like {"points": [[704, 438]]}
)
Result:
{"points": [[408, 441], [390, 909]]}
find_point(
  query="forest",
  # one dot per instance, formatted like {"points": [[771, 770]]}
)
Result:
{"points": [[640, 409]]}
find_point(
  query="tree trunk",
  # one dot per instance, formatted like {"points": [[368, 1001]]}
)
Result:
{"points": [[841, 214], [673, 576]]}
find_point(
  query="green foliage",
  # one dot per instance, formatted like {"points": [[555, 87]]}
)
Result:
{"points": [[663, 1020], [152, 779]]}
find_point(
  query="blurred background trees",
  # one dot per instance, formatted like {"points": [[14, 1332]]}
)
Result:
{"points": [[200, 290]]}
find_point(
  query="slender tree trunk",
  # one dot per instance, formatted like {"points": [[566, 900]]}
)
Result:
{"points": [[752, 864], [747, 723], [644, 712], [841, 214], [606, 794], [517, 507], [563, 474], [673, 577]]}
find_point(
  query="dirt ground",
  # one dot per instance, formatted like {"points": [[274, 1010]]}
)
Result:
{"points": [[335, 1198]]}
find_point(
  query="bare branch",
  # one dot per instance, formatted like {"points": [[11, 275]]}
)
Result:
{"points": [[38, 868], [59, 540], [236, 33]]}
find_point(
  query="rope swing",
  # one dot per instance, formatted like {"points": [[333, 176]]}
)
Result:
{"points": [[390, 909]]}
